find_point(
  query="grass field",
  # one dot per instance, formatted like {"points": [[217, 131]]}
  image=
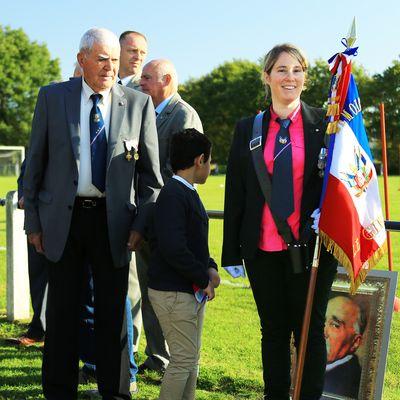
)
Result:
{"points": [[230, 362]]}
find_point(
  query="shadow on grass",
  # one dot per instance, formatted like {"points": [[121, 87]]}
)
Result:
{"points": [[216, 380], [20, 372]]}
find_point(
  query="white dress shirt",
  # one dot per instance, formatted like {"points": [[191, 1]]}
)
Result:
{"points": [[127, 79], [184, 181], [163, 104], [85, 186]]}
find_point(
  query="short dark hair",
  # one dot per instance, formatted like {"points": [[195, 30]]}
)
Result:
{"points": [[186, 146], [123, 35]]}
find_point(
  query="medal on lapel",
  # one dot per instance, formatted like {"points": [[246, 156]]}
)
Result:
{"points": [[131, 147], [321, 164]]}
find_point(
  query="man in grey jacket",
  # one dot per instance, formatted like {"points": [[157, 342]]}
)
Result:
{"points": [[133, 53], [160, 81], [92, 175]]}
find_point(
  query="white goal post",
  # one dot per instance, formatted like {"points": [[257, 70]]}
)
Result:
{"points": [[11, 158]]}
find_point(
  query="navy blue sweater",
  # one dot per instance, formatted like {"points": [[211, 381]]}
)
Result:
{"points": [[179, 240]]}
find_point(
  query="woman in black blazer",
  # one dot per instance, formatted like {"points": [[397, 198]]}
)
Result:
{"points": [[292, 135]]}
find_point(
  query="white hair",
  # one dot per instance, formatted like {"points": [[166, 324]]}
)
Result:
{"points": [[98, 35]]}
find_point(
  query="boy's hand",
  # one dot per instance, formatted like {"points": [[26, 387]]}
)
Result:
{"points": [[214, 277], [135, 241], [209, 291]]}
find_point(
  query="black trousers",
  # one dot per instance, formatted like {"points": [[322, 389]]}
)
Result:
{"points": [[37, 269], [280, 296], [87, 242]]}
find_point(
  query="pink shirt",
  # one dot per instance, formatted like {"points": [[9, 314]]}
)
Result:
{"points": [[270, 240]]}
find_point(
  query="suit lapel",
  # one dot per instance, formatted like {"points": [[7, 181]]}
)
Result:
{"points": [[166, 112], [313, 127], [118, 107], [73, 113]]}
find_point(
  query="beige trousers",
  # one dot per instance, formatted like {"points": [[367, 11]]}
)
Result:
{"points": [[181, 319]]}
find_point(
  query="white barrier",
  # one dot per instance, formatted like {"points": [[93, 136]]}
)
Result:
{"points": [[18, 297]]}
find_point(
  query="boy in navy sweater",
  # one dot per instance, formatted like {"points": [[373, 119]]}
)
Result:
{"points": [[181, 262]]}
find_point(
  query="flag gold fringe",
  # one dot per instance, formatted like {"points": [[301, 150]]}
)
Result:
{"points": [[341, 256], [332, 127], [333, 109]]}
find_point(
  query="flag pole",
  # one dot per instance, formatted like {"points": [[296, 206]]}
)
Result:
{"points": [[306, 321], [385, 180], [386, 192]]}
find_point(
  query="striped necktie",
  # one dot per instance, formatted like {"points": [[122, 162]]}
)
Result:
{"points": [[282, 199], [98, 144]]}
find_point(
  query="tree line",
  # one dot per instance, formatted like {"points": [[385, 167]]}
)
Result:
{"points": [[234, 90], [228, 93]]}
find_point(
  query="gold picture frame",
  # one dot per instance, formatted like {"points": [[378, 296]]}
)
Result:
{"points": [[376, 298]]}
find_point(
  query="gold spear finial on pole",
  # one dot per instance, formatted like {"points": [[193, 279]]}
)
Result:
{"points": [[352, 35]]}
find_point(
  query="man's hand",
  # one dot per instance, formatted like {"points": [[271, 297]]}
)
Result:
{"points": [[36, 240], [214, 277], [135, 241], [21, 203], [209, 291]]}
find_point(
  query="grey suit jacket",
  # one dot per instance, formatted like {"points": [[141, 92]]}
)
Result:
{"points": [[176, 116], [135, 83], [52, 168]]}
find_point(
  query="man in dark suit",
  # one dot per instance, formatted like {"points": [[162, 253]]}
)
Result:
{"points": [[345, 324], [91, 178], [133, 53], [160, 81]]}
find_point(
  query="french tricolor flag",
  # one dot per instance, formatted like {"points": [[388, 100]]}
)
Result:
{"points": [[351, 224]]}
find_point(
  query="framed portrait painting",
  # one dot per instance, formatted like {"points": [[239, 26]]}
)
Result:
{"points": [[357, 333]]}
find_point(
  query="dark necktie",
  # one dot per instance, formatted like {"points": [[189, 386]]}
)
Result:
{"points": [[98, 144], [282, 204]]}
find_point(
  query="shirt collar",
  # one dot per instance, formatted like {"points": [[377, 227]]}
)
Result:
{"points": [[87, 91], [184, 181], [335, 364], [127, 79], [163, 104], [293, 116]]}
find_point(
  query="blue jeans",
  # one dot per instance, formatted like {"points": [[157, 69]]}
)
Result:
{"points": [[86, 334]]}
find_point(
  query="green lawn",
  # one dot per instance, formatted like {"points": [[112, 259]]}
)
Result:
{"points": [[230, 363]]}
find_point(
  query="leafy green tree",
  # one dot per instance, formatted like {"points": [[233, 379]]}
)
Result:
{"points": [[385, 88], [228, 93], [24, 67], [318, 81]]}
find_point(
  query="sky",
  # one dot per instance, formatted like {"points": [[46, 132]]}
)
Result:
{"points": [[197, 36]]}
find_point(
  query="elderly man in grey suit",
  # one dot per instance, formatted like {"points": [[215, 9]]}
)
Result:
{"points": [[91, 178], [160, 81]]}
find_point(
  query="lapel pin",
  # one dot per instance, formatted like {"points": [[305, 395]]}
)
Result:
{"points": [[283, 140]]}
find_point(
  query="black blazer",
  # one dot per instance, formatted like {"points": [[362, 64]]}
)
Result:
{"points": [[244, 200]]}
